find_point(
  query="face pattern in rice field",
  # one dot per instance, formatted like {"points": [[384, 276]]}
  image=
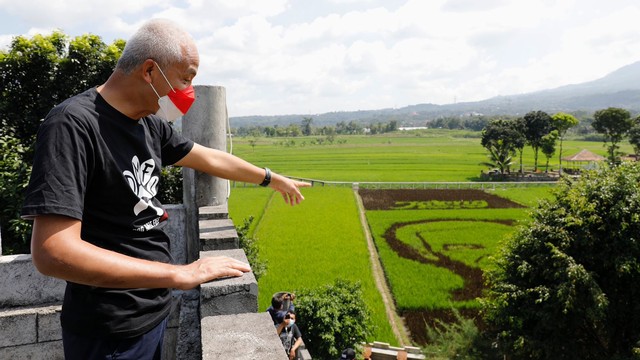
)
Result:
{"points": [[430, 199], [421, 248], [472, 275]]}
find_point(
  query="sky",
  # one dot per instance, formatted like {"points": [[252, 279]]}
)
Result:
{"points": [[277, 57]]}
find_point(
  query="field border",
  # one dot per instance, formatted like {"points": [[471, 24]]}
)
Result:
{"points": [[396, 322], [437, 185]]}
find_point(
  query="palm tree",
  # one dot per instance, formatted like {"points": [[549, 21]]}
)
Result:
{"points": [[500, 156]]}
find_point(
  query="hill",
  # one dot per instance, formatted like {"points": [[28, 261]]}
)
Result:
{"points": [[620, 88]]}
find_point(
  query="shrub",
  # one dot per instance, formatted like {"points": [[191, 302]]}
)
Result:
{"points": [[14, 177], [565, 286], [333, 318], [458, 340], [250, 247], [170, 191]]}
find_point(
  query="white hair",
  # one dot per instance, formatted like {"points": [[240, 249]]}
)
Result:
{"points": [[159, 39]]}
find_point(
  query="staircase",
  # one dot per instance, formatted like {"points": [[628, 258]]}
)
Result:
{"points": [[231, 326]]}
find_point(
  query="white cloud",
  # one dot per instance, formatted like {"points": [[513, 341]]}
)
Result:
{"points": [[278, 56]]}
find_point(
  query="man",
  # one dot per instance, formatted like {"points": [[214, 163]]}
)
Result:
{"points": [[97, 223], [281, 303], [289, 334]]}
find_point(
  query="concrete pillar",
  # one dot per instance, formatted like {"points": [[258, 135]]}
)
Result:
{"points": [[206, 124]]}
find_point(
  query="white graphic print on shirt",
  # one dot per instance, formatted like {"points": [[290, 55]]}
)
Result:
{"points": [[143, 184]]}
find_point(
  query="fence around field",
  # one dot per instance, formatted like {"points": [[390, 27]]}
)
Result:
{"points": [[488, 185]]}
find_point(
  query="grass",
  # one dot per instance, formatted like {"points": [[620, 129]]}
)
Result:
{"points": [[248, 201], [527, 196], [424, 156], [313, 244]]}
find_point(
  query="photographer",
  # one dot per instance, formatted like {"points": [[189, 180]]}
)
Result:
{"points": [[290, 335], [281, 303]]}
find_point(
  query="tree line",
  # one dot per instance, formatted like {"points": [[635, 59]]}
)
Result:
{"points": [[506, 138], [306, 128], [35, 75]]}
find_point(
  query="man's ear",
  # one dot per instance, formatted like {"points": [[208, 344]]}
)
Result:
{"points": [[148, 66]]}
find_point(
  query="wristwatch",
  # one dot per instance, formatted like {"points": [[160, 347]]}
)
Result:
{"points": [[267, 177]]}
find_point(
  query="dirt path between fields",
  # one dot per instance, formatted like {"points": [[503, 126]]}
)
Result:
{"points": [[396, 322]]}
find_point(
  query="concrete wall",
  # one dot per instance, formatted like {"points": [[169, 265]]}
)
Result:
{"points": [[30, 309], [30, 303]]}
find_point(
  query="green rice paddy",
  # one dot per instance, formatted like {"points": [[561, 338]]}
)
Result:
{"points": [[320, 240]]}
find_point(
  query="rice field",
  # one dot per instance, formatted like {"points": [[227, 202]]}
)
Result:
{"points": [[320, 240], [313, 244]]}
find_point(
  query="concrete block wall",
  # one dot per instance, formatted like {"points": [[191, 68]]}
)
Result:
{"points": [[29, 311], [30, 307], [31, 333]]}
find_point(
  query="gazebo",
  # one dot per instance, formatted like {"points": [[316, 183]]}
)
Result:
{"points": [[585, 159]]}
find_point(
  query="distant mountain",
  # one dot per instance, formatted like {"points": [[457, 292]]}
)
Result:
{"points": [[620, 88]]}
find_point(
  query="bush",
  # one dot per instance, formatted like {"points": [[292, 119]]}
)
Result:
{"points": [[566, 285], [250, 247], [14, 178], [458, 340], [170, 191], [333, 318]]}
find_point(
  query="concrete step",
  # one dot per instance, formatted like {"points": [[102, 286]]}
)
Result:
{"points": [[241, 336], [213, 212], [232, 295], [218, 234]]}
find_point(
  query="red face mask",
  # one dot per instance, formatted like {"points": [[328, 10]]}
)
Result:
{"points": [[176, 103], [183, 99]]}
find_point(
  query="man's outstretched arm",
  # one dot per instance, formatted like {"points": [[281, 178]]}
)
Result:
{"points": [[221, 164]]}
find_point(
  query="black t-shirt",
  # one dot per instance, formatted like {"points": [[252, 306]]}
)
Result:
{"points": [[95, 164], [289, 335]]}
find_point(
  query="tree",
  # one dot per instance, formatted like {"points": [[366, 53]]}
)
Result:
{"points": [[498, 137], [562, 122], [35, 75], [519, 140], [564, 286], [476, 123], [170, 190], [500, 156], [307, 128], [537, 125], [634, 137], [253, 143], [392, 126], [614, 124], [38, 73], [332, 318], [14, 176], [548, 146]]}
